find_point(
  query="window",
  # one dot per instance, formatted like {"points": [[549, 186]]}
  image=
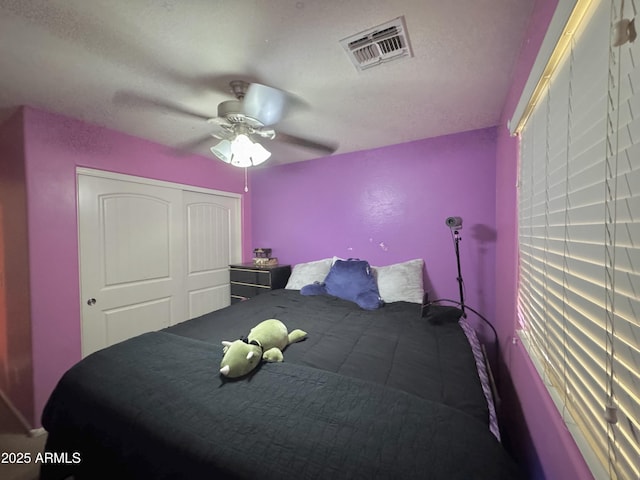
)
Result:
{"points": [[579, 240]]}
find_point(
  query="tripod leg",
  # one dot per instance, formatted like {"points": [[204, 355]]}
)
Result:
{"points": [[457, 241]]}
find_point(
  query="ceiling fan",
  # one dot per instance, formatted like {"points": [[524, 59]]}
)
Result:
{"points": [[254, 113], [256, 109]]}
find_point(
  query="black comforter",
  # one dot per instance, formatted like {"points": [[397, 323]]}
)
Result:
{"points": [[393, 345], [155, 407]]}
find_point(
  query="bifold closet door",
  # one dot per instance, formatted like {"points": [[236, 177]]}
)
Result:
{"points": [[150, 256]]}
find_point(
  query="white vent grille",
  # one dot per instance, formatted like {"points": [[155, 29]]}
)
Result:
{"points": [[378, 44]]}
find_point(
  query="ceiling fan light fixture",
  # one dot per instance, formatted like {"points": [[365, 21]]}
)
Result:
{"points": [[222, 150], [241, 151], [259, 154], [241, 146]]}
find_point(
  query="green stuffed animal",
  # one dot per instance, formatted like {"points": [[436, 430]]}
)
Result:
{"points": [[264, 342]]}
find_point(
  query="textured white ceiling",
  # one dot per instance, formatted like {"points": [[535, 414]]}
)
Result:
{"points": [[122, 63]]}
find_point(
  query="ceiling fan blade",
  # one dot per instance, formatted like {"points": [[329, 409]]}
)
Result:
{"points": [[265, 104], [327, 148], [192, 146], [268, 133], [136, 100]]}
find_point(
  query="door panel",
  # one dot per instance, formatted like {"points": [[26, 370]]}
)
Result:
{"points": [[137, 238], [208, 236], [131, 320], [208, 299]]}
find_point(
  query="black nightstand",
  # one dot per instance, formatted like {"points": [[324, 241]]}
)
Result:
{"points": [[249, 280]]}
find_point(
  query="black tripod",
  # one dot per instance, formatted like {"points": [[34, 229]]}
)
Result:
{"points": [[456, 241]]}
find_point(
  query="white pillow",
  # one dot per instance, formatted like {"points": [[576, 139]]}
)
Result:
{"points": [[307, 273], [401, 282]]}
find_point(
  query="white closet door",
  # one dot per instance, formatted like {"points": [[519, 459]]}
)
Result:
{"points": [[212, 243], [151, 255], [130, 259]]}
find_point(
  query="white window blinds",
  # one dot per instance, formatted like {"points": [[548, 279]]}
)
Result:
{"points": [[579, 240]]}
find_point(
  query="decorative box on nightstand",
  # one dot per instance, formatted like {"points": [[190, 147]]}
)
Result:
{"points": [[249, 280]]}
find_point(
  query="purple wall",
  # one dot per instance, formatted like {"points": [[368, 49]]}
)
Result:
{"points": [[54, 147], [388, 205], [539, 437]]}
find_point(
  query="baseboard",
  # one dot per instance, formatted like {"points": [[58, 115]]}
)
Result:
{"points": [[36, 432]]}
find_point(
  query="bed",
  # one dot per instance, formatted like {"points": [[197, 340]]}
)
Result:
{"points": [[384, 393]]}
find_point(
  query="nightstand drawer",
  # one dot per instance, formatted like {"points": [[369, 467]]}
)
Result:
{"points": [[251, 276], [247, 290]]}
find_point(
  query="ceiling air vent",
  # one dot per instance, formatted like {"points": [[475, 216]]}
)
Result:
{"points": [[378, 45]]}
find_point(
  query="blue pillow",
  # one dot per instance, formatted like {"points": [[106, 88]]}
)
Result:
{"points": [[350, 280]]}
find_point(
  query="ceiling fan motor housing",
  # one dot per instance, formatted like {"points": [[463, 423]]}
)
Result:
{"points": [[232, 110]]}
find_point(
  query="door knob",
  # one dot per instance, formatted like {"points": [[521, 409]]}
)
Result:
{"points": [[91, 302]]}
